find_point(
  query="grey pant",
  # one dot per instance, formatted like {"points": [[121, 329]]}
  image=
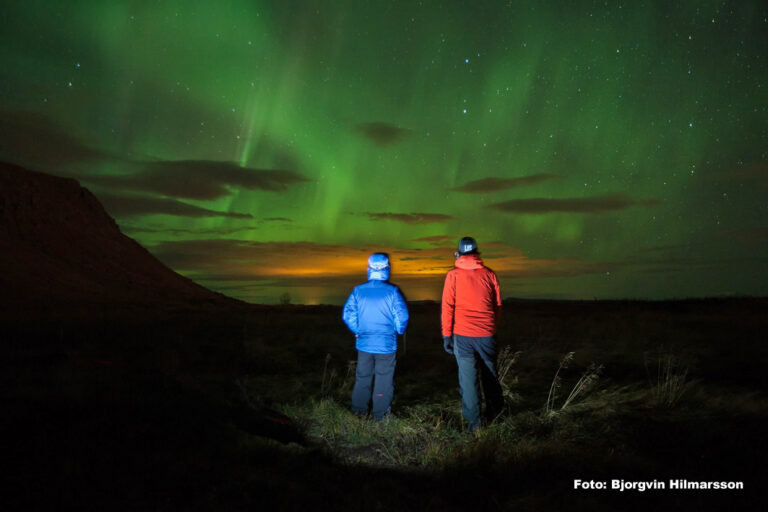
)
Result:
{"points": [[476, 359], [377, 370]]}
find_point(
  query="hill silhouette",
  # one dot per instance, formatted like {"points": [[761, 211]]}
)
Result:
{"points": [[59, 245]]}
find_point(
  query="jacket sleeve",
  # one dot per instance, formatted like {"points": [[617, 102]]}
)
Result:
{"points": [[448, 307], [349, 314], [497, 301], [399, 311]]}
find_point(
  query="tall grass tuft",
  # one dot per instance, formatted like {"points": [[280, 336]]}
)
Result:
{"points": [[506, 360], [328, 377], [586, 382], [331, 385], [349, 378], [671, 380], [549, 408]]}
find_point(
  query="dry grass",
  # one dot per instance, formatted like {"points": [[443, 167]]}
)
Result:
{"points": [[506, 360], [549, 407], [586, 382], [670, 381]]}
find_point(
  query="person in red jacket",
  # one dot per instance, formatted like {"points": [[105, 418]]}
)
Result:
{"points": [[470, 312]]}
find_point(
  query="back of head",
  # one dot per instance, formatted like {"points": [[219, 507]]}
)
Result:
{"points": [[378, 267], [467, 245]]}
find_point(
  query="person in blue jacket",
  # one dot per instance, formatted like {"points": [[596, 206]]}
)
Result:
{"points": [[376, 313]]}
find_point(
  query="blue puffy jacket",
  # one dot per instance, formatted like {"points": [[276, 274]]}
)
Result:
{"points": [[376, 312]]}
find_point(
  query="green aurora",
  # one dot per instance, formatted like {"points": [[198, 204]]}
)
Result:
{"points": [[594, 149]]}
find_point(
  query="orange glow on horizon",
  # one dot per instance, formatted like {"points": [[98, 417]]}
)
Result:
{"points": [[352, 262], [315, 272]]}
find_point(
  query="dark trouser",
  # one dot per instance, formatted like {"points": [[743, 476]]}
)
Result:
{"points": [[469, 352], [382, 366]]}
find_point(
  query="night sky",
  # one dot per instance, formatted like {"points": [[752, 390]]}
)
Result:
{"points": [[594, 149]]}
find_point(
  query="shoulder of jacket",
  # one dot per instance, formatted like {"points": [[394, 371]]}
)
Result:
{"points": [[394, 289]]}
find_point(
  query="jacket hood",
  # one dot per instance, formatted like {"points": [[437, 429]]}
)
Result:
{"points": [[469, 262], [378, 267]]}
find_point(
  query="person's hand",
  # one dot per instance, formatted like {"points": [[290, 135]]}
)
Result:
{"points": [[448, 344]]}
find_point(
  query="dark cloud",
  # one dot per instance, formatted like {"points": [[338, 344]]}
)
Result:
{"points": [[261, 260], [381, 134], [36, 142], [229, 259], [263, 269], [688, 264], [437, 257], [597, 204], [493, 184], [443, 241], [544, 268], [663, 249], [33, 140], [182, 231], [411, 218], [436, 238], [755, 173], [747, 235], [126, 206], [189, 231], [198, 179]]}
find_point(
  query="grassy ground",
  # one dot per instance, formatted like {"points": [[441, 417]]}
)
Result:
{"points": [[148, 414]]}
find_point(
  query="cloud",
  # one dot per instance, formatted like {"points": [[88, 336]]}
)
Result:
{"points": [[494, 184], [681, 265], [706, 253], [182, 231], [755, 173], [131, 228], [331, 270], [198, 179], [411, 218], [597, 204], [126, 206], [436, 238], [269, 260], [663, 249], [753, 235], [381, 134], [443, 241], [35, 141]]}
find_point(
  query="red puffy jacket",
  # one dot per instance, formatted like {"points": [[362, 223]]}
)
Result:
{"points": [[471, 299]]}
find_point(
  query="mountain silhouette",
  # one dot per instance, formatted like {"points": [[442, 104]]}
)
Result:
{"points": [[59, 245]]}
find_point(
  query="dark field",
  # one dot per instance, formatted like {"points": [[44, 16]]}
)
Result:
{"points": [[173, 410]]}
